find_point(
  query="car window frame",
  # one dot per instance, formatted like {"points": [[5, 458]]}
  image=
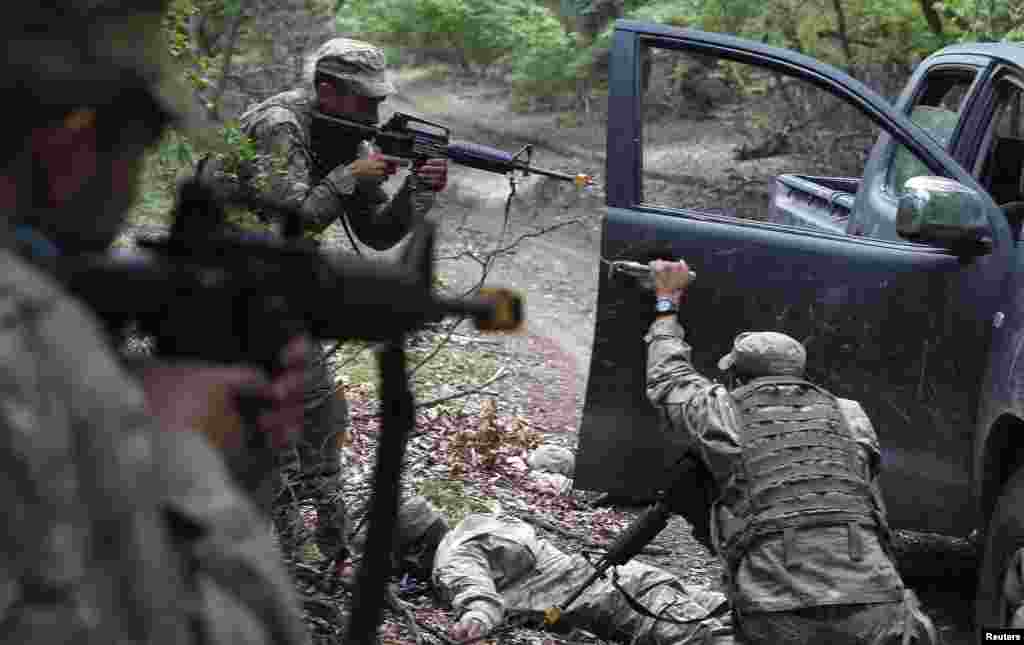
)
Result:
{"points": [[1004, 74], [941, 69]]}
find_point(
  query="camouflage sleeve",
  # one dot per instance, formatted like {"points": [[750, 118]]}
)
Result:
{"points": [[378, 220], [242, 583], [464, 576], [76, 466], [863, 433], [692, 406]]}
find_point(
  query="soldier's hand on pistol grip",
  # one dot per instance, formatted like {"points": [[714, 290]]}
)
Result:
{"points": [[201, 397], [373, 168], [433, 173]]}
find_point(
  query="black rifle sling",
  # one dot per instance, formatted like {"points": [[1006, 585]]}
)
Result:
{"points": [[722, 609]]}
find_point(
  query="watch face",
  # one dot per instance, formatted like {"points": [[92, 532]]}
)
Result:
{"points": [[664, 306]]}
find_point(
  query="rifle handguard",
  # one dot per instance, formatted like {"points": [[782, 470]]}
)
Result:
{"points": [[481, 157], [639, 534]]}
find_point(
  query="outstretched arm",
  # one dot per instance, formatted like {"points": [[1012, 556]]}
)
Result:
{"points": [[464, 576]]}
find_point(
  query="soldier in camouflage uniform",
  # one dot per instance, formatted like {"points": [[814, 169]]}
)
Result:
{"points": [[799, 520], [490, 568], [121, 522], [311, 163]]}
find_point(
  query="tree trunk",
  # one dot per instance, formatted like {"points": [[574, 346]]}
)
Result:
{"points": [[555, 7], [844, 36], [234, 29], [931, 16]]}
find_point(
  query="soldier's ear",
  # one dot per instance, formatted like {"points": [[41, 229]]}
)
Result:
{"points": [[67, 151]]}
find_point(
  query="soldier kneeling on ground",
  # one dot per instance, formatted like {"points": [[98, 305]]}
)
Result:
{"points": [[799, 520]]}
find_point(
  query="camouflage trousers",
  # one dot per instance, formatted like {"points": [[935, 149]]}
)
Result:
{"points": [[867, 624], [308, 473]]}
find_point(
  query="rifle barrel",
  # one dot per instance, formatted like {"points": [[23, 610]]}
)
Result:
{"points": [[554, 174]]}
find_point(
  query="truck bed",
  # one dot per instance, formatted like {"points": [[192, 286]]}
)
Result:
{"points": [[818, 202]]}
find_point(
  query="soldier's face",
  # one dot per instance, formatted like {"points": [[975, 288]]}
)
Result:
{"points": [[332, 101], [90, 182]]}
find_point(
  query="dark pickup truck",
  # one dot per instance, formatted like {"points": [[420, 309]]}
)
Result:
{"points": [[913, 305]]}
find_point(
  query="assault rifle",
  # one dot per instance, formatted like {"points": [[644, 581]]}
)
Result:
{"points": [[204, 293], [689, 495], [406, 139]]}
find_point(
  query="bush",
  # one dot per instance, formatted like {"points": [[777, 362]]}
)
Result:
{"points": [[481, 30], [177, 155]]}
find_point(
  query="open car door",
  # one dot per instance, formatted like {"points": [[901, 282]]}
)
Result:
{"points": [[903, 328]]}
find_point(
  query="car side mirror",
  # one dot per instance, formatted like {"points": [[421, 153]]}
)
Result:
{"points": [[940, 211]]}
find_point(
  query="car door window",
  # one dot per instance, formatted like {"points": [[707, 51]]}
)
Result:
{"points": [[937, 110], [1002, 151], [1000, 165], [731, 139]]}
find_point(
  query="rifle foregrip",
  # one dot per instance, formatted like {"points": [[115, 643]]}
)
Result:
{"points": [[482, 157]]}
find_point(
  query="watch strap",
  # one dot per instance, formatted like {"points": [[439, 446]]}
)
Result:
{"points": [[666, 306]]}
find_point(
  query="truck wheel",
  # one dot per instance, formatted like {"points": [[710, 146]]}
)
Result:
{"points": [[1005, 535]]}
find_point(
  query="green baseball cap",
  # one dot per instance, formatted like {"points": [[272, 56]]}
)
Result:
{"points": [[765, 353], [360, 65]]}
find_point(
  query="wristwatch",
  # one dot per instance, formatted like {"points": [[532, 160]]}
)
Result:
{"points": [[666, 306]]}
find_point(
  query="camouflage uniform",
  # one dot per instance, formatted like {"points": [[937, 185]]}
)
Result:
{"points": [[116, 531], [314, 176], [489, 567], [828, 580]]}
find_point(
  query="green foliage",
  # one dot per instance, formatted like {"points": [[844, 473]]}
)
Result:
{"points": [[545, 53], [481, 30], [450, 497], [546, 58], [987, 20], [195, 65]]}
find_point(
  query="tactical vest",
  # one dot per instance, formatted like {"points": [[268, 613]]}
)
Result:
{"points": [[799, 467]]}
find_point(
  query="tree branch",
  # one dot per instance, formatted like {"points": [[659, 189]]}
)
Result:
{"points": [[499, 375], [234, 29], [931, 16], [844, 36], [502, 373]]}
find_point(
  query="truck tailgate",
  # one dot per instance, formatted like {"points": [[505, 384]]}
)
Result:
{"points": [[818, 202]]}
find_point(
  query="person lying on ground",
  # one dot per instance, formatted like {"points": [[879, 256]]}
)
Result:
{"points": [[493, 568]]}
